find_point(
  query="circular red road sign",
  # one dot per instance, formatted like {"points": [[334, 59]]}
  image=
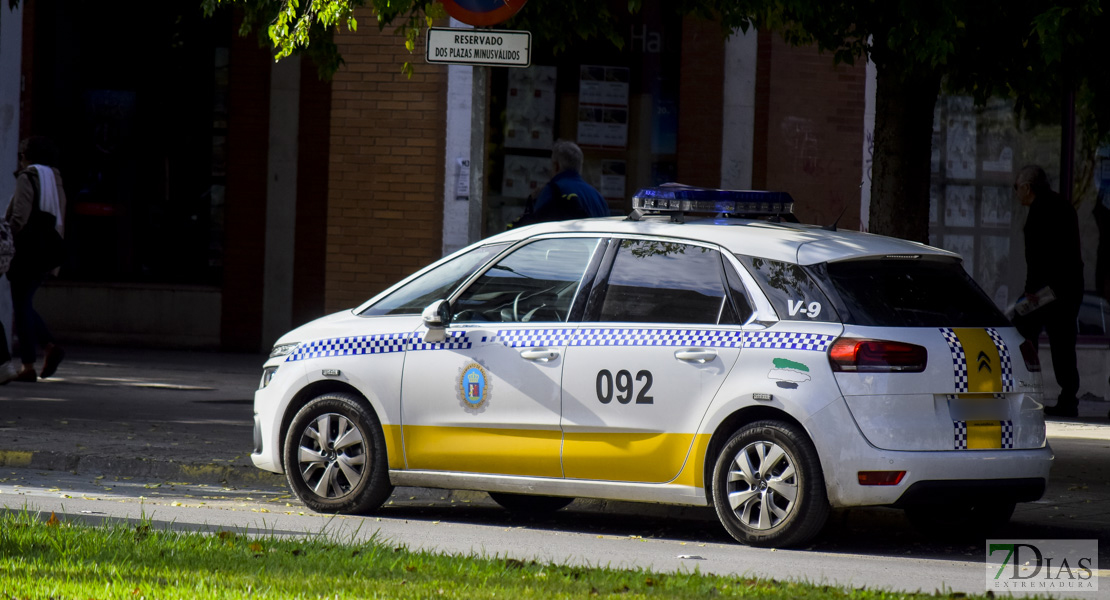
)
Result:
{"points": [[482, 13]]}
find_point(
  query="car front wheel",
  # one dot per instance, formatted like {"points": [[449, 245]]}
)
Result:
{"points": [[768, 488], [335, 457]]}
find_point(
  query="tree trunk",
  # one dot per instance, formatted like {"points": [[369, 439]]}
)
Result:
{"points": [[903, 147]]}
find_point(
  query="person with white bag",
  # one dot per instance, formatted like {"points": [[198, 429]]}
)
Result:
{"points": [[36, 215]]}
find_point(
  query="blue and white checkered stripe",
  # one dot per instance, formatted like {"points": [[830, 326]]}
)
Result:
{"points": [[657, 337], [349, 346], [533, 338], [959, 359], [1007, 434], [960, 428], [782, 340], [384, 343], [1004, 358], [539, 337], [457, 340], [706, 338], [530, 338]]}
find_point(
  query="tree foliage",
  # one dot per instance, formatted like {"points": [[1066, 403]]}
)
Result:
{"points": [[308, 25]]}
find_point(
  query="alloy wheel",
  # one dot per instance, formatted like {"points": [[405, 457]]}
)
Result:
{"points": [[332, 456], [762, 485]]}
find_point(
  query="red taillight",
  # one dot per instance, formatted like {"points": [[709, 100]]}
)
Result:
{"points": [[880, 477], [877, 356], [1029, 353]]}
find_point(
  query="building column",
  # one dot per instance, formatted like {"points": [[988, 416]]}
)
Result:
{"points": [[11, 44], [868, 146], [281, 199], [738, 120], [11, 76]]}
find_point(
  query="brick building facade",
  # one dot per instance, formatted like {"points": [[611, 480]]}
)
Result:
{"points": [[386, 167]]}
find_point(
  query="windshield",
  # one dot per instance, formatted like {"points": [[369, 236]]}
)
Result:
{"points": [[435, 284]]}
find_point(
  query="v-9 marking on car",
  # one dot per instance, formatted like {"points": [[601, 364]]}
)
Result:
{"points": [[706, 350]]}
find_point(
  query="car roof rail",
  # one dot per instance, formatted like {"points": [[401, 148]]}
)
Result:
{"points": [[676, 200]]}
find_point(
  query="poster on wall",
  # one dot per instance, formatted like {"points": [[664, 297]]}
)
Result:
{"points": [[530, 108], [960, 149], [1004, 163], [606, 127], [994, 263], [959, 206], [612, 179], [997, 206], [603, 85], [603, 106], [524, 175]]}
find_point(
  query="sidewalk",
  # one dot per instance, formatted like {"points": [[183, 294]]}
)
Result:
{"points": [[183, 416]]}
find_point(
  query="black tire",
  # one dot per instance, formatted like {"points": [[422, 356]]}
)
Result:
{"points": [[525, 504], [779, 460], [357, 472], [960, 521]]}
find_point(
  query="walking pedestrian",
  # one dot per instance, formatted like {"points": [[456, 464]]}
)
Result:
{"points": [[566, 195], [1053, 261], [36, 215]]}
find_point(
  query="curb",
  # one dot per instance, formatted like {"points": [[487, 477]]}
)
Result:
{"points": [[212, 473]]}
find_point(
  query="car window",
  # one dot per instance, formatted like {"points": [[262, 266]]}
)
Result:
{"points": [[534, 283], [740, 309], [666, 282], [790, 289], [911, 293], [436, 284]]}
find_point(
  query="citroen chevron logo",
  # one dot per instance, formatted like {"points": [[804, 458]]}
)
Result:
{"points": [[984, 362]]}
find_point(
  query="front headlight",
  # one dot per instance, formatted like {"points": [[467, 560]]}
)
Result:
{"points": [[283, 349], [267, 375]]}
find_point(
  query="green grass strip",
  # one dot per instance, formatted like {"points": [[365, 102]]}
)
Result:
{"points": [[58, 559]]}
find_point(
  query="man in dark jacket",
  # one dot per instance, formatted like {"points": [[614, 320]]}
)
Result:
{"points": [[1053, 260], [567, 195]]}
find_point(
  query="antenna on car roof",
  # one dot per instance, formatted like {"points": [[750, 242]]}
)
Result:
{"points": [[837, 221]]}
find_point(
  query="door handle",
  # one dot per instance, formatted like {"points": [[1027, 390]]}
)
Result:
{"points": [[695, 356], [539, 354]]}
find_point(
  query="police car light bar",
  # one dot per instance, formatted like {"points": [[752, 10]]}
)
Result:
{"points": [[684, 199]]}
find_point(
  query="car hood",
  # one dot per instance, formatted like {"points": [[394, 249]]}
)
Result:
{"points": [[347, 323]]}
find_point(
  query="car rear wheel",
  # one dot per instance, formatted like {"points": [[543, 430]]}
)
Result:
{"points": [[526, 504], [768, 488], [335, 457]]}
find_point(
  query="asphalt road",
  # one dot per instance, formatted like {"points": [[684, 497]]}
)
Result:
{"points": [[123, 434]]}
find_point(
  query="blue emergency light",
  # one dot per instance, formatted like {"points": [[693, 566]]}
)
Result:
{"points": [[682, 199]]}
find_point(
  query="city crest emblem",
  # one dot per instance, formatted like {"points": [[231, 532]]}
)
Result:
{"points": [[474, 387]]}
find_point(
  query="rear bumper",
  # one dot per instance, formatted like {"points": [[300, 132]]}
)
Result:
{"points": [[970, 491], [931, 476]]}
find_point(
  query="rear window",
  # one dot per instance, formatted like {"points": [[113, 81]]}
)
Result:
{"points": [[909, 293]]}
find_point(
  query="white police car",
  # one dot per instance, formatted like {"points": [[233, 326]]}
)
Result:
{"points": [[770, 369]]}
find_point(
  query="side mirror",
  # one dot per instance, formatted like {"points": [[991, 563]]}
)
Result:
{"points": [[437, 317]]}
